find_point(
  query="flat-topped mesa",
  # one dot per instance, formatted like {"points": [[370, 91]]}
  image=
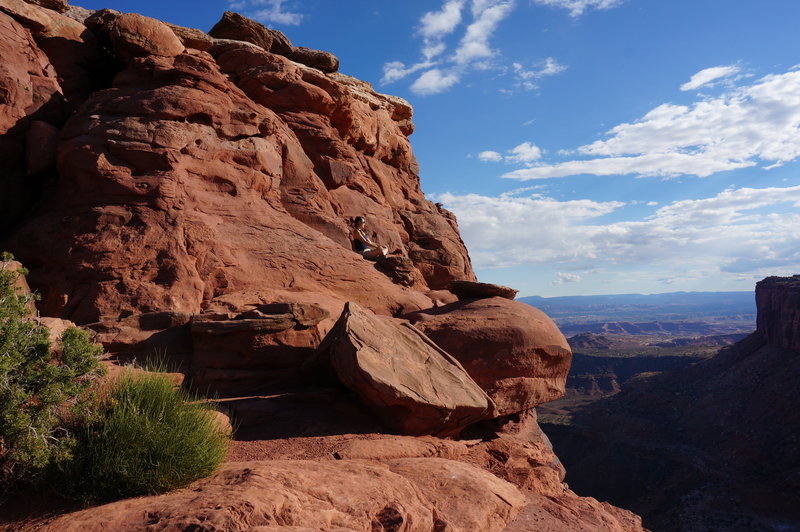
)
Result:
{"points": [[228, 173], [778, 306]]}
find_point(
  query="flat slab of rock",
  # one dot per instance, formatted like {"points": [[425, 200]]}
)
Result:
{"points": [[416, 387], [407, 494], [513, 351], [474, 290]]}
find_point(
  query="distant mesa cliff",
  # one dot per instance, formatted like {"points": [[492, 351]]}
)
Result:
{"points": [[778, 300], [710, 447]]}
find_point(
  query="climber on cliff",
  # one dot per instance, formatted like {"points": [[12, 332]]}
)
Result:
{"points": [[362, 243]]}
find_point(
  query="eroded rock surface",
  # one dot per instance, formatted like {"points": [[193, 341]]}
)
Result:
{"points": [[192, 194], [415, 386], [318, 495], [512, 350]]}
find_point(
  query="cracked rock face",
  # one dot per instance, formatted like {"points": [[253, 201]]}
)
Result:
{"points": [[413, 385], [196, 176]]}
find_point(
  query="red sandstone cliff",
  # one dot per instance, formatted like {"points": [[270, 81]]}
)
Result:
{"points": [[190, 193], [710, 447]]}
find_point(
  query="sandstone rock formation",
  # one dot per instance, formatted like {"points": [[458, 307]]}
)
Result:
{"points": [[191, 194], [175, 123], [512, 350], [474, 290], [405, 494], [415, 386]]}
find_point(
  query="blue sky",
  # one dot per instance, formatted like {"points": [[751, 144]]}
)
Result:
{"points": [[586, 146]]}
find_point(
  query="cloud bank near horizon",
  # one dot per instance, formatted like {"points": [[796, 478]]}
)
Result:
{"points": [[738, 232]]}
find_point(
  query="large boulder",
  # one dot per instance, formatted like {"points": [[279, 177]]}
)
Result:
{"points": [[325, 61], [512, 350], [236, 27], [413, 385], [133, 35], [192, 38], [475, 290], [408, 494]]}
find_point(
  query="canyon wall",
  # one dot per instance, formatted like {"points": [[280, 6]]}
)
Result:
{"points": [[709, 447]]}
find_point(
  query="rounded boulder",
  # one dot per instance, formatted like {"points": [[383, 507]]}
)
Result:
{"points": [[512, 350]]}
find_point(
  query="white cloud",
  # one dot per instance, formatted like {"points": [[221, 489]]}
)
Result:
{"points": [[744, 231], [706, 76], [563, 277], [652, 203], [490, 155], [524, 153], [436, 24], [475, 43], [753, 125], [577, 7], [434, 81], [396, 70], [268, 11]]}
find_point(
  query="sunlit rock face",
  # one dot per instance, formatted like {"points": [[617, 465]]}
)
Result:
{"points": [[234, 171], [192, 195]]}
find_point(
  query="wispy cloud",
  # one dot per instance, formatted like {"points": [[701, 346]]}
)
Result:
{"points": [[706, 76], [577, 7], [563, 277], [748, 126], [526, 152], [437, 70], [738, 231], [527, 78], [487, 16], [269, 11]]}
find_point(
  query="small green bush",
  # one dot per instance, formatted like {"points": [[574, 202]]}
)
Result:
{"points": [[39, 389], [148, 437]]}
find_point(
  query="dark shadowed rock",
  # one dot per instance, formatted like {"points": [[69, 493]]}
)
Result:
{"points": [[41, 141], [416, 387], [325, 61], [778, 303], [56, 5], [512, 350], [474, 290], [236, 27]]}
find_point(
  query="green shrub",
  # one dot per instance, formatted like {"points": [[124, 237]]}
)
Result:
{"points": [[39, 389], [148, 437]]}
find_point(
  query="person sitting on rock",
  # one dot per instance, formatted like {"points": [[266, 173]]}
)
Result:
{"points": [[362, 243]]}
